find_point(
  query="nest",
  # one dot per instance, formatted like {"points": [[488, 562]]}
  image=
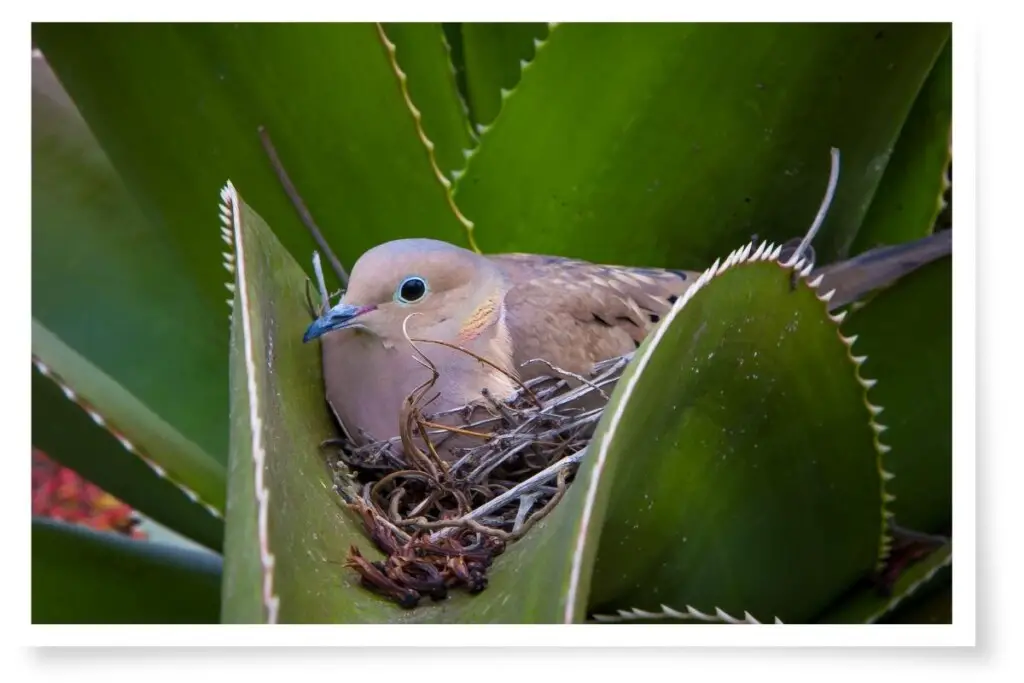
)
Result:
{"points": [[440, 524]]}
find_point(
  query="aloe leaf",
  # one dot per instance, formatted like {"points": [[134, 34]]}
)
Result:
{"points": [[906, 332], [910, 195], [287, 533], [115, 289], [177, 108], [736, 462], [925, 578], [423, 55], [87, 421], [81, 576], [494, 54], [668, 144]]}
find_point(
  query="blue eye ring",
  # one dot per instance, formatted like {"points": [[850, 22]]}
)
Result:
{"points": [[411, 289]]}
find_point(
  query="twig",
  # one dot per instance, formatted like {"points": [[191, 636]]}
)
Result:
{"points": [[544, 511], [500, 457], [484, 361], [300, 206], [833, 180], [528, 486], [557, 369], [456, 430], [399, 534], [525, 505], [318, 269]]}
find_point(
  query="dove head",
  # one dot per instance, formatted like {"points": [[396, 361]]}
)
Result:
{"points": [[432, 289]]}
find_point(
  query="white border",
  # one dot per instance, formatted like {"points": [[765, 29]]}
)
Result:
{"points": [[1003, 244]]}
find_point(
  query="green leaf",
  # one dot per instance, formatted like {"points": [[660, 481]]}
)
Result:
{"points": [[906, 332], [136, 456], [493, 54], [280, 497], [118, 290], [668, 144], [81, 576], [865, 605], [737, 459], [423, 55], [910, 196], [177, 109]]}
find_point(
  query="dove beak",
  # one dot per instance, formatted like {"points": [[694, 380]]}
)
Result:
{"points": [[338, 318]]}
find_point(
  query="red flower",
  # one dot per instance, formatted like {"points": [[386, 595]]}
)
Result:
{"points": [[59, 493]]}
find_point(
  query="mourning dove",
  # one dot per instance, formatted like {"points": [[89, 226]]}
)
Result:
{"points": [[508, 309]]}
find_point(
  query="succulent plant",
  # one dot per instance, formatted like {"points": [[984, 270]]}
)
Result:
{"points": [[761, 459]]}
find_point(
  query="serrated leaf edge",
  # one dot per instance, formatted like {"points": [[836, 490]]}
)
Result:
{"points": [[691, 614], [482, 130], [126, 443], [885, 538], [946, 182], [417, 117], [765, 252], [227, 236], [881, 449], [230, 208], [524, 64]]}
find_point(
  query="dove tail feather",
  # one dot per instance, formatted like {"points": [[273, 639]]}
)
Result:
{"points": [[877, 268]]}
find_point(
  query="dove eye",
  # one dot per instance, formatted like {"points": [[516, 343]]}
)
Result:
{"points": [[411, 290]]}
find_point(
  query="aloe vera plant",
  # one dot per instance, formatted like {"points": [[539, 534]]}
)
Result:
{"points": [[760, 459]]}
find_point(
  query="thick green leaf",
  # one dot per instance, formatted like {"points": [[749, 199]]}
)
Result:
{"points": [[738, 459], [909, 198], [118, 290], [308, 532], [922, 580], [278, 419], [906, 332], [493, 53], [424, 57], [668, 144], [80, 576], [177, 108], [67, 431]]}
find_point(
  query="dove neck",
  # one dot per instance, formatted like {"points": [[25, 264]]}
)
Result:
{"points": [[482, 331]]}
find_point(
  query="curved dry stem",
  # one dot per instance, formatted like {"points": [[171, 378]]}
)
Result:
{"points": [[819, 218], [300, 206], [483, 360]]}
